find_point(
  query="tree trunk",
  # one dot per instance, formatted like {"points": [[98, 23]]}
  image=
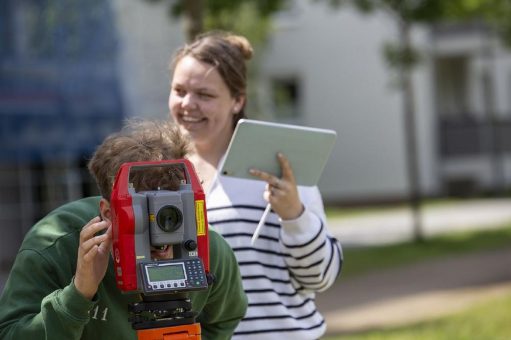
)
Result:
{"points": [[412, 155], [193, 18]]}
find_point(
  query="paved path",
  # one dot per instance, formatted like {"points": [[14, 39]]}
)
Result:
{"points": [[396, 225]]}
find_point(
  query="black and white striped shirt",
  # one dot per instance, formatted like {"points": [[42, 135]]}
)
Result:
{"points": [[290, 261]]}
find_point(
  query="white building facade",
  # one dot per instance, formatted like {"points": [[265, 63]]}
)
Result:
{"points": [[462, 102]]}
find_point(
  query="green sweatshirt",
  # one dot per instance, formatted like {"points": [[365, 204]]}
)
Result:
{"points": [[40, 301]]}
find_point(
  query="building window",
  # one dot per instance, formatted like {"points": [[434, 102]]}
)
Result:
{"points": [[451, 86], [6, 43], [286, 95]]}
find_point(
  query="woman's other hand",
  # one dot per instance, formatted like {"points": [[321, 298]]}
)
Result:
{"points": [[281, 193]]}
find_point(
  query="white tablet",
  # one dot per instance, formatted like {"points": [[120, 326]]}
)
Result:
{"points": [[255, 144]]}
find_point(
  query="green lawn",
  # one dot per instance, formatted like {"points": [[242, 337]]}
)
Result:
{"points": [[360, 260], [488, 320]]}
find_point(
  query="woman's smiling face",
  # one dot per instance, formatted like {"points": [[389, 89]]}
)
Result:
{"points": [[201, 103]]}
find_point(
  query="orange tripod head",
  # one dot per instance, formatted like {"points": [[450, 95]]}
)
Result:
{"points": [[171, 317]]}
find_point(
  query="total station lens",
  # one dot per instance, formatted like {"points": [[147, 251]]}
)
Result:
{"points": [[169, 218]]}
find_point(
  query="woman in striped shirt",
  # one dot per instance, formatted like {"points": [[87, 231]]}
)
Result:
{"points": [[295, 256]]}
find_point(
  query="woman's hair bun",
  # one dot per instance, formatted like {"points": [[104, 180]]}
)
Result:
{"points": [[242, 44]]}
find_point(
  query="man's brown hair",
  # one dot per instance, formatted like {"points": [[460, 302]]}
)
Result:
{"points": [[140, 140]]}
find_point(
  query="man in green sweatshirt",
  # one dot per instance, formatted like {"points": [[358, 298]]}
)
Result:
{"points": [[62, 284]]}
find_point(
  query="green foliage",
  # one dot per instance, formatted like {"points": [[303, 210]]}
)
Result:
{"points": [[249, 22], [417, 11], [497, 13], [397, 55], [250, 18], [409, 10], [263, 8]]}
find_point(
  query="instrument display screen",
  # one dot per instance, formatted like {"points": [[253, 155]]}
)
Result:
{"points": [[166, 273], [173, 276]]}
